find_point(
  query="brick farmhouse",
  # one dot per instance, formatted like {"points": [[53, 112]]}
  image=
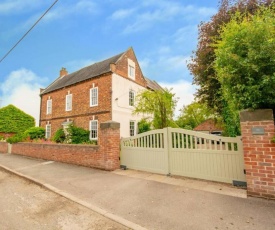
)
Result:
{"points": [[98, 93]]}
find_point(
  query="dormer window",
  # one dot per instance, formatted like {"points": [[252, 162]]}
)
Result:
{"points": [[131, 69]]}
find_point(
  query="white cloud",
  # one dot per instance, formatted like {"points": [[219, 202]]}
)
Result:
{"points": [[184, 90], [151, 12], [17, 6], [21, 88], [122, 14]]}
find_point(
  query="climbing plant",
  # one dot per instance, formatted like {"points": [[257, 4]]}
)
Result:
{"points": [[14, 120]]}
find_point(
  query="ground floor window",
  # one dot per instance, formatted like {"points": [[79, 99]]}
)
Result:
{"points": [[93, 130], [132, 128], [48, 131]]}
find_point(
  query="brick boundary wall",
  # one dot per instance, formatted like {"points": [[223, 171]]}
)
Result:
{"points": [[3, 147], [257, 129], [105, 155]]}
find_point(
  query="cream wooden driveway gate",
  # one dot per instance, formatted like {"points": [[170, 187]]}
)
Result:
{"points": [[185, 153]]}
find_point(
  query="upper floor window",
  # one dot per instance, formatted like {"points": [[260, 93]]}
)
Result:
{"points": [[132, 128], [69, 100], [49, 106], [131, 69], [131, 98], [48, 131], [94, 96], [93, 130]]}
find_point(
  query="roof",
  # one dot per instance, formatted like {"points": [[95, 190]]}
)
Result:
{"points": [[208, 125], [86, 73], [151, 84]]}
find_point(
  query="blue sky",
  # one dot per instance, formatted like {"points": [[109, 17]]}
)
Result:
{"points": [[75, 34]]}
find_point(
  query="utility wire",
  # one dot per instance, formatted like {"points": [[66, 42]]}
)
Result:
{"points": [[28, 31]]}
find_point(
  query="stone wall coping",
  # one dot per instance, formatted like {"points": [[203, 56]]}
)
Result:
{"points": [[256, 115], [58, 144], [110, 125]]}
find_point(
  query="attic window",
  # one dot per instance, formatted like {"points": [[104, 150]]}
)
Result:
{"points": [[131, 69]]}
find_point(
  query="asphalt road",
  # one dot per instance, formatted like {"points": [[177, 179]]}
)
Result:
{"points": [[25, 205]]}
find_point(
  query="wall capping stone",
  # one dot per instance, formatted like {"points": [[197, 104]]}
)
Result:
{"points": [[256, 115]]}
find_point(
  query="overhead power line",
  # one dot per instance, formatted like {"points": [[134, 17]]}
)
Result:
{"points": [[28, 31]]}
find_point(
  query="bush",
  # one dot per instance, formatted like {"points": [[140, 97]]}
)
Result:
{"points": [[59, 136], [35, 133], [19, 137], [144, 126], [77, 135], [72, 135], [2, 138]]}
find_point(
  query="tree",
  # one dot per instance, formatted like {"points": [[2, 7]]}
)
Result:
{"points": [[202, 65], [245, 60], [160, 104], [194, 114]]}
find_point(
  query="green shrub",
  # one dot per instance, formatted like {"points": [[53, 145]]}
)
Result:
{"points": [[77, 135], [144, 126], [35, 133], [59, 136], [14, 120], [273, 140], [19, 137], [2, 138]]}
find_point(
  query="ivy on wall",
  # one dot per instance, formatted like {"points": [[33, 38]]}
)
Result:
{"points": [[14, 120]]}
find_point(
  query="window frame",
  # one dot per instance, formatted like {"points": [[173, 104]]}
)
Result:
{"points": [[132, 99], [131, 69], [133, 133], [96, 130], [92, 96], [67, 108], [49, 111], [48, 131]]}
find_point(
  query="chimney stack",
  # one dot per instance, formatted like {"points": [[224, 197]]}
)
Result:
{"points": [[63, 72]]}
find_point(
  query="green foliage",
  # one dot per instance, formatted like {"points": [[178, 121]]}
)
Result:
{"points": [[19, 137], [35, 133], [13, 120], [245, 63], [59, 136], [2, 138], [194, 114], [77, 135], [144, 126], [231, 120], [273, 140], [73, 135], [202, 65], [160, 104]]}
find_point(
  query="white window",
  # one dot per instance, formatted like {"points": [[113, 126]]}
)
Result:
{"points": [[132, 128], [69, 101], [93, 130], [48, 131], [94, 96], [131, 69], [49, 106], [131, 98]]}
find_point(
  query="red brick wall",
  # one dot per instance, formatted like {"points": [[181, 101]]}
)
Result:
{"points": [[81, 112], [104, 156], [3, 147], [259, 154], [121, 68], [7, 135]]}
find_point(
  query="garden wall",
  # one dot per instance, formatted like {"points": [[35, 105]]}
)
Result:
{"points": [[103, 156], [3, 147], [259, 152]]}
